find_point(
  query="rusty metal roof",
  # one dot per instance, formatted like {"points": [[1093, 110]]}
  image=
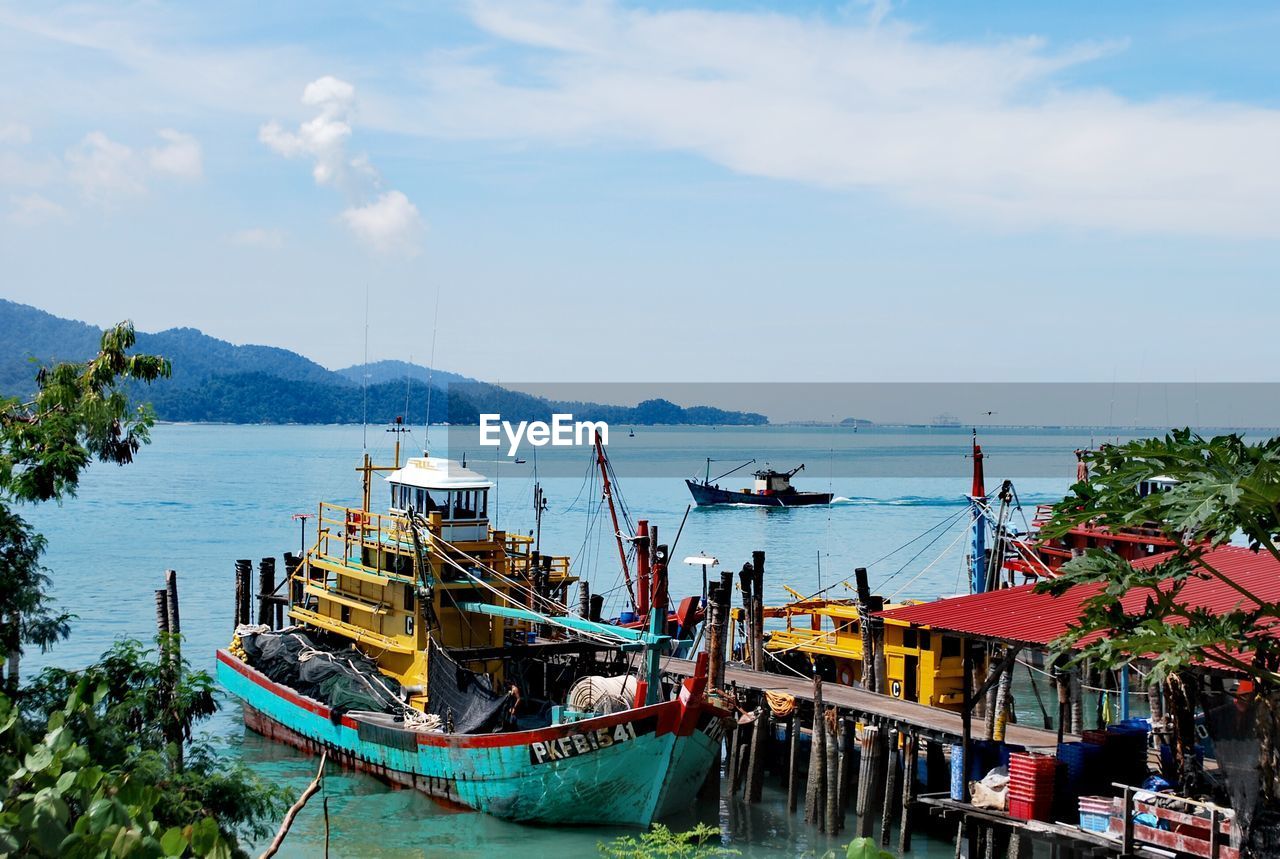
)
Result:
{"points": [[1021, 616]]}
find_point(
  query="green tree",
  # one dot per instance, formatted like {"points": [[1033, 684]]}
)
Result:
{"points": [[1225, 486], [104, 760]]}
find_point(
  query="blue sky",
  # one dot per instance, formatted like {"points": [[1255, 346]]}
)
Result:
{"points": [[669, 191]]}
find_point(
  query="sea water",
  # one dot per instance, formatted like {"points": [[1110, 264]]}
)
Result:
{"points": [[201, 496]]}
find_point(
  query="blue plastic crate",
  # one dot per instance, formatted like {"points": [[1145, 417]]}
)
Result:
{"points": [[1095, 821]]}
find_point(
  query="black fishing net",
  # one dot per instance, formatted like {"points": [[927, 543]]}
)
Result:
{"points": [[463, 697], [343, 678]]}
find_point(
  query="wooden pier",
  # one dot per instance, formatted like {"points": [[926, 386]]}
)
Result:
{"points": [[931, 722]]}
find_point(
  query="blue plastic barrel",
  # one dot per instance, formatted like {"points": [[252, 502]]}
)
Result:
{"points": [[957, 772]]}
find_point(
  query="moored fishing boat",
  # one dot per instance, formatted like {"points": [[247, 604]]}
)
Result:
{"points": [[437, 653]]}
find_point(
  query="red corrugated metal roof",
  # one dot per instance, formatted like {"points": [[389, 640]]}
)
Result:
{"points": [[1021, 616]]}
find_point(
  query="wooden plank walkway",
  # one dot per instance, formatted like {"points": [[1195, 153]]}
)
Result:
{"points": [[930, 720]]}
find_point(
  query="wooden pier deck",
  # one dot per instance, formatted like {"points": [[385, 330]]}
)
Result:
{"points": [[931, 721]]}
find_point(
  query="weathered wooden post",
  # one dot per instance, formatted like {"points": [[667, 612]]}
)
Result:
{"points": [[162, 614], [1002, 703], [746, 581], [864, 629], [846, 752], [597, 607], [890, 786], [814, 800], [731, 751], [834, 755], [755, 760], [793, 760], [868, 790], [910, 752], [966, 719], [1077, 701], [173, 616], [266, 589], [244, 588], [584, 599], [757, 611], [715, 642]]}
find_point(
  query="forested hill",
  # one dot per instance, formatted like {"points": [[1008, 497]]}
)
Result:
{"points": [[217, 381]]}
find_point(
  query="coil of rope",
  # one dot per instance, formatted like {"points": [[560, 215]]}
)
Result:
{"points": [[782, 704]]}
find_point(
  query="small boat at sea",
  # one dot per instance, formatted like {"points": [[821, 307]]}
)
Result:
{"points": [[771, 489], [437, 653]]}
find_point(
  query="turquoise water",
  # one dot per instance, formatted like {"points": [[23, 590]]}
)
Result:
{"points": [[201, 496]]}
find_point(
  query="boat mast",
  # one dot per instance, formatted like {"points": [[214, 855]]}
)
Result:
{"points": [[539, 505], [978, 526], [657, 615], [603, 462]]}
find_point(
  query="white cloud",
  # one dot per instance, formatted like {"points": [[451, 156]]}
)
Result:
{"points": [[390, 224], [13, 132], [324, 137], [980, 130], [180, 156], [32, 210], [386, 220], [103, 169], [258, 237]]}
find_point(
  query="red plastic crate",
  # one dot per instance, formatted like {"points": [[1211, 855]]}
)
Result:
{"points": [[1025, 810]]}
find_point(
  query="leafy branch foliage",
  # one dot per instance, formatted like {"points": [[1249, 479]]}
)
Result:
{"points": [[101, 761], [661, 843], [1225, 486], [92, 769]]}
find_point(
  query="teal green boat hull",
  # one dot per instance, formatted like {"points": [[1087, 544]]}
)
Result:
{"points": [[627, 768]]}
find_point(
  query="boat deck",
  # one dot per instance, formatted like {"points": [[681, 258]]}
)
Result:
{"points": [[931, 721]]}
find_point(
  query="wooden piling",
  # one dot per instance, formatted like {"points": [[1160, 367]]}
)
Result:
{"points": [[173, 616], [746, 581], [872, 772], [890, 787], [846, 753], [910, 753], [266, 589], [755, 761], [813, 795], [1003, 701], [864, 781], [793, 760], [731, 753], [244, 572], [715, 641], [162, 611], [584, 599], [832, 805], [864, 629], [757, 611], [1077, 701]]}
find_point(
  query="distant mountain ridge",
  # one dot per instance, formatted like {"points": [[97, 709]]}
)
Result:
{"points": [[217, 381]]}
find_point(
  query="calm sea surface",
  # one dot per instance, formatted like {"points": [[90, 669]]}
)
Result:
{"points": [[202, 496]]}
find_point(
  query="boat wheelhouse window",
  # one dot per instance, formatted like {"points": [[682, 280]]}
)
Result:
{"points": [[420, 500], [464, 505]]}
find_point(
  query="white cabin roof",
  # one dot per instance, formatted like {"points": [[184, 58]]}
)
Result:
{"points": [[433, 472]]}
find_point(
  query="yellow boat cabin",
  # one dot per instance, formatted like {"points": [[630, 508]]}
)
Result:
{"points": [[389, 587], [825, 636]]}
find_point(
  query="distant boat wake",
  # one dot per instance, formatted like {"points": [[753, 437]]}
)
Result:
{"points": [[904, 501]]}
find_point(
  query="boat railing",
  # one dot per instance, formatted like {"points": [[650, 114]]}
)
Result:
{"points": [[345, 532]]}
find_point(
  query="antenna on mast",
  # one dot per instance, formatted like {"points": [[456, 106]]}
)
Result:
{"points": [[431, 365], [364, 375]]}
